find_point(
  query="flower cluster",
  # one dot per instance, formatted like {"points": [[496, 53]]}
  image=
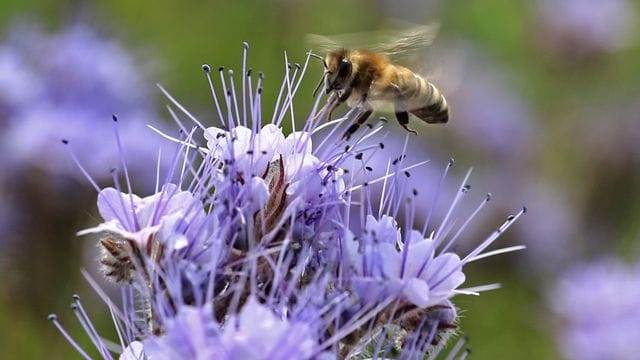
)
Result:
{"points": [[69, 93], [597, 306], [265, 246], [583, 28]]}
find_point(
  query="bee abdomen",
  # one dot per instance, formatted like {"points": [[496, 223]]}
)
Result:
{"points": [[433, 107]]}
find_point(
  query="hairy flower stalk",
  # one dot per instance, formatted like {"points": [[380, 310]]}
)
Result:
{"points": [[258, 245]]}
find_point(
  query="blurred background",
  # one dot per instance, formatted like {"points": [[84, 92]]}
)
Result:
{"points": [[545, 107]]}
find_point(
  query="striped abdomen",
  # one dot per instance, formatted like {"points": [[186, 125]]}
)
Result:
{"points": [[424, 100]]}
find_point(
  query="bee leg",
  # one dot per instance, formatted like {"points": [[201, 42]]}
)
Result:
{"points": [[359, 121], [403, 119], [342, 98], [333, 106]]}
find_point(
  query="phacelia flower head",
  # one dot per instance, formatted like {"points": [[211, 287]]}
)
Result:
{"points": [[71, 93], [578, 28], [251, 250], [596, 306]]}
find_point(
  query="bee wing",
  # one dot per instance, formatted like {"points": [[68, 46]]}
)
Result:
{"points": [[399, 45], [403, 45]]}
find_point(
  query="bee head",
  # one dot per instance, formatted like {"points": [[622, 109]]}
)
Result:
{"points": [[338, 70]]}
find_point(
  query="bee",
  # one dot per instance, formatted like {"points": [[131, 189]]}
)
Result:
{"points": [[373, 81]]}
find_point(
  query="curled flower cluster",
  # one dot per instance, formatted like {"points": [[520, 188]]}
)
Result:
{"points": [[265, 246]]}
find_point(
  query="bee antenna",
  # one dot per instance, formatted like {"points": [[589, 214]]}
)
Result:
{"points": [[310, 53], [315, 91]]}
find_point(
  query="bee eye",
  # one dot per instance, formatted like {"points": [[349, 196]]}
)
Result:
{"points": [[345, 68]]}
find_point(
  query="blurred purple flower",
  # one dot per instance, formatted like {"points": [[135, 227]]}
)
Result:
{"points": [[578, 28], [489, 114], [597, 307], [66, 86], [615, 141]]}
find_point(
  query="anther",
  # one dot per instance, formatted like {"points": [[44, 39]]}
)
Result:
{"points": [[368, 168], [114, 117], [245, 44], [489, 196], [65, 141], [381, 145], [407, 174], [358, 156], [206, 68]]}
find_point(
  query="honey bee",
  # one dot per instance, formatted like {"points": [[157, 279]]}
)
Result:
{"points": [[372, 80]]}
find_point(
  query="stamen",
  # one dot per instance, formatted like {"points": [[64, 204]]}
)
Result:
{"points": [[277, 104], [245, 48], [88, 327], [182, 108], [79, 165], [207, 70], [510, 220], [497, 252], [464, 225], [226, 94], [452, 207], [456, 348], [54, 319], [123, 207], [234, 98], [436, 195], [126, 171]]}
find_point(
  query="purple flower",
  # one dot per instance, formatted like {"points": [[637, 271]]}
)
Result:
{"points": [[254, 333], [410, 267], [597, 309], [490, 115], [71, 94], [249, 249], [139, 219], [578, 28]]}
